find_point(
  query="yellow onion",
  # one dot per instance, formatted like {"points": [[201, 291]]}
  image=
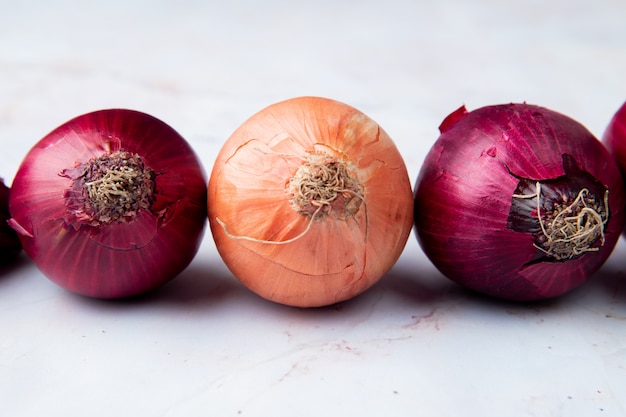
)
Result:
{"points": [[309, 202]]}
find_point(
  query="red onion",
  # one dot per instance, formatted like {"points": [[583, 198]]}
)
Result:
{"points": [[615, 139], [9, 242], [110, 204], [518, 202]]}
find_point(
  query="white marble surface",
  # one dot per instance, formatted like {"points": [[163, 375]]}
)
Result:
{"points": [[415, 344]]}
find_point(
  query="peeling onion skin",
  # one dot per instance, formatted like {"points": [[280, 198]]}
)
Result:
{"points": [[10, 244], [464, 199], [114, 259], [615, 139], [292, 258]]}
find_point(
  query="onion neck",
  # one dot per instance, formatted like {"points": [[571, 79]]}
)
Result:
{"points": [[566, 215], [111, 188], [324, 186]]}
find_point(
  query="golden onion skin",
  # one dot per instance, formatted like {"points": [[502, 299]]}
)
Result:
{"points": [[299, 256]]}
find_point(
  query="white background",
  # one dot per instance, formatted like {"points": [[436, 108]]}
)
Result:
{"points": [[203, 345]]}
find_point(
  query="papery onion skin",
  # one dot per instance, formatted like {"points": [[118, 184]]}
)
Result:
{"points": [[112, 259], [10, 244], [292, 258], [465, 190], [615, 139]]}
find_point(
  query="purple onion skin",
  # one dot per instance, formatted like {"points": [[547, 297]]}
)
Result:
{"points": [[9, 242], [119, 258], [615, 139], [468, 221]]}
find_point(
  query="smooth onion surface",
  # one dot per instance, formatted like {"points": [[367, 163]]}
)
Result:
{"points": [[110, 204], [9, 243], [309, 202], [615, 136], [615, 139], [489, 178]]}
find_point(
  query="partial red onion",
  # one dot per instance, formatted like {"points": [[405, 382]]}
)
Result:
{"points": [[518, 202], [615, 139], [615, 136], [9, 243], [110, 204]]}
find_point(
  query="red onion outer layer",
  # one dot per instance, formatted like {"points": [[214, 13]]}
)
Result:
{"points": [[488, 180], [9, 242], [110, 204], [615, 139]]}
